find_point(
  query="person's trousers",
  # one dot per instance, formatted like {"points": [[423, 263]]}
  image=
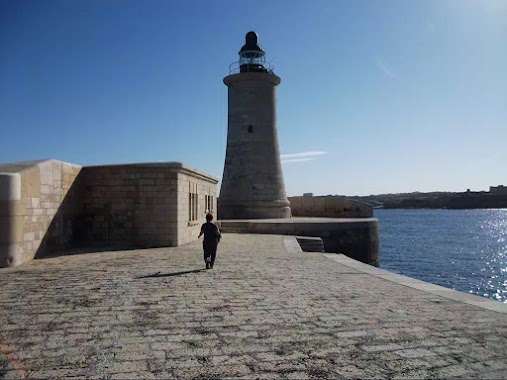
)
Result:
{"points": [[210, 250]]}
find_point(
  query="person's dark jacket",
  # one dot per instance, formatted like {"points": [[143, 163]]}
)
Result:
{"points": [[211, 232]]}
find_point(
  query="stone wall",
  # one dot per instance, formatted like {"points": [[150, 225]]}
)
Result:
{"points": [[29, 222], [49, 223], [329, 207], [191, 182], [128, 206], [49, 206], [142, 205], [356, 238]]}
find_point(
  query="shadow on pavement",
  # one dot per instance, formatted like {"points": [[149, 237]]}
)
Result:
{"points": [[159, 274]]}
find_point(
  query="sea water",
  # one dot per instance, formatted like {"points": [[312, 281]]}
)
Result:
{"points": [[464, 250]]}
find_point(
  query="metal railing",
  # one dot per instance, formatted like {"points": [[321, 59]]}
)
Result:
{"points": [[235, 67]]}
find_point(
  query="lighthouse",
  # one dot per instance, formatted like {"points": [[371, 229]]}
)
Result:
{"points": [[252, 183]]}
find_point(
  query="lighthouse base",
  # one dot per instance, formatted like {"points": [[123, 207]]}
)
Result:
{"points": [[253, 210]]}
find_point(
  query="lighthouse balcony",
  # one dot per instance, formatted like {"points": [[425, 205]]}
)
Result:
{"points": [[242, 67]]}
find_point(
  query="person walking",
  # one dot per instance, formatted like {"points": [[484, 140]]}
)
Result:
{"points": [[212, 237]]}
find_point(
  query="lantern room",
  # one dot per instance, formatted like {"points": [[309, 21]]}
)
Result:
{"points": [[251, 55]]}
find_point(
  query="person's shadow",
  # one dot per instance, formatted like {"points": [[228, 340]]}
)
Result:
{"points": [[160, 274]]}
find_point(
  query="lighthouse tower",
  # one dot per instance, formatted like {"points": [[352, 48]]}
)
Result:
{"points": [[252, 184]]}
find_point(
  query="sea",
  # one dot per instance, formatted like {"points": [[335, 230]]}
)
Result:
{"points": [[465, 250]]}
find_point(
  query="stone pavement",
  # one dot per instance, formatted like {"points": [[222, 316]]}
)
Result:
{"points": [[266, 311]]}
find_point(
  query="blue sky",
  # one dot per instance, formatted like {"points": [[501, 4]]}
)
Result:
{"points": [[376, 96]]}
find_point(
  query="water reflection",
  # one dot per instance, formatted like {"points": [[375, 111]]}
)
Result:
{"points": [[460, 249]]}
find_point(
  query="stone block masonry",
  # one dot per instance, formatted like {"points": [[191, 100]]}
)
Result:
{"points": [[31, 200], [252, 184], [128, 205], [263, 312], [144, 205], [357, 238], [49, 205], [329, 207]]}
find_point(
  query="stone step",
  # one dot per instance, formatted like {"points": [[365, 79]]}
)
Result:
{"points": [[233, 227], [310, 243]]}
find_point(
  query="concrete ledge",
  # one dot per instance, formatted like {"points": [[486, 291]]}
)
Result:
{"points": [[427, 287]]}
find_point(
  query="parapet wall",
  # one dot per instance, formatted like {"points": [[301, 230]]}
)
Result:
{"points": [[329, 207], [30, 201], [356, 238]]}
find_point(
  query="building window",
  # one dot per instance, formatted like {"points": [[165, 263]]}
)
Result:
{"points": [[208, 203], [192, 203], [250, 128]]}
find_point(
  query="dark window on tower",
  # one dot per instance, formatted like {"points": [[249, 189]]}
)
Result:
{"points": [[250, 128]]}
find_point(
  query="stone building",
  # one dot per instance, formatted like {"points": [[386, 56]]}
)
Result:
{"points": [[498, 190], [50, 205]]}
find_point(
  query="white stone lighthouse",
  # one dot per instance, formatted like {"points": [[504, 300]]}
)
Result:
{"points": [[252, 184]]}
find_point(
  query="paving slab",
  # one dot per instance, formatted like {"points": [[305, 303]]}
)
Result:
{"points": [[267, 310]]}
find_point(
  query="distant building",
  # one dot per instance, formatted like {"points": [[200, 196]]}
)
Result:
{"points": [[307, 194], [498, 190]]}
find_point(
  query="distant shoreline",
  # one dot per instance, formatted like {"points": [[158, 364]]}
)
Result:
{"points": [[437, 200]]}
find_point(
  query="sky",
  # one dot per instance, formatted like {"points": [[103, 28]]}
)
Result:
{"points": [[376, 96]]}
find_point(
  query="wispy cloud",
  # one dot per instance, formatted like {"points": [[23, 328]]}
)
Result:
{"points": [[385, 69], [301, 157], [297, 160]]}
